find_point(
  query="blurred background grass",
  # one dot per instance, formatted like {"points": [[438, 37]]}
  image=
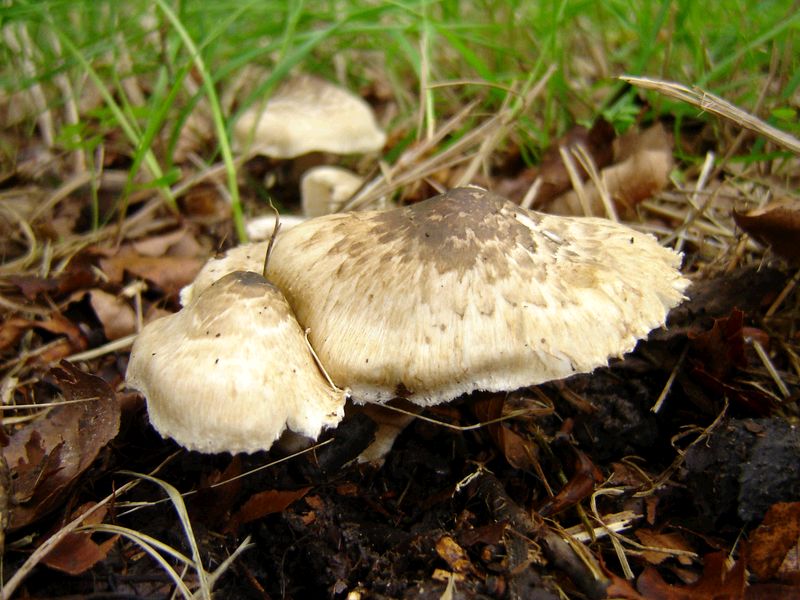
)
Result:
{"points": [[59, 52]]}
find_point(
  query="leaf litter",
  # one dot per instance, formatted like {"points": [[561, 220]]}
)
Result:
{"points": [[661, 497]]}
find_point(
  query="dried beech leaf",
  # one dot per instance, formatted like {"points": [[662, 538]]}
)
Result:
{"points": [[717, 582], [777, 225], [180, 242], [668, 541], [721, 349], [641, 169], [114, 313], [585, 476], [265, 503], [519, 452], [170, 273], [76, 553], [214, 502], [772, 540], [13, 329], [47, 455]]}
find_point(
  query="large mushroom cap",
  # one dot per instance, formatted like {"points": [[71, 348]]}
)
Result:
{"points": [[232, 370], [308, 114], [468, 291]]}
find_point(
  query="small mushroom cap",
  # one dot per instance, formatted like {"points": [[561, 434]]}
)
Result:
{"points": [[468, 291], [247, 257], [324, 190], [232, 370], [307, 114]]}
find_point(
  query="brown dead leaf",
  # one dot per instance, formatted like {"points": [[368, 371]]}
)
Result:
{"points": [[454, 555], [265, 503], [519, 452], [204, 204], [170, 273], [47, 455], [585, 475], [771, 541], [667, 541], [772, 591], [553, 176], [721, 349], [214, 500], [77, 275], [76, 553], [13, 329], [487, 534], [175, 243], [718, 582], [597, 141], [777, 225], [642, 163], [621, 588], [114, 313]]}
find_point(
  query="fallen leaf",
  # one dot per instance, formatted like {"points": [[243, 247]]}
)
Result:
{"points": [[76, 553], [551, 172], [667, 541], [777, 225], [585, 475], [519, 452], [718, 582], [773, 538], [114, 313], [264, 503], [641, 168], [46, 456], [175, 243], [487, 534], [170, 273], [214, 500], [13, 329], [772, 591], [721, 349], [621, 588]]}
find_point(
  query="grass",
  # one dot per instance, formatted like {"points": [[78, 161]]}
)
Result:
{"points": [[153, 64]]}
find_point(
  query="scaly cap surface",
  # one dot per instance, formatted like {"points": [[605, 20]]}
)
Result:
{"points": [[468, 291]]}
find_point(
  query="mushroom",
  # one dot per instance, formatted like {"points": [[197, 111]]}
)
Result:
{"points": [[468, 291], [308, 114], [247, 257], [232, 370], [324, 190]]}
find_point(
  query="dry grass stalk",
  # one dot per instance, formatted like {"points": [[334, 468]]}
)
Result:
{"points": [[708, 102]]}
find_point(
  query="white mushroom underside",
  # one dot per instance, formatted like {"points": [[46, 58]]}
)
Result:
{"points": [[231, 371]]}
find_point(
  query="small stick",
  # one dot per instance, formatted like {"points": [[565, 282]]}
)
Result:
{"points": [[272, 238]]}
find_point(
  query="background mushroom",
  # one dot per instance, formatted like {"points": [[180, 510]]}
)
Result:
{"points": [[324, 190], [232, 370], [468, 291], [308, 114]]}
